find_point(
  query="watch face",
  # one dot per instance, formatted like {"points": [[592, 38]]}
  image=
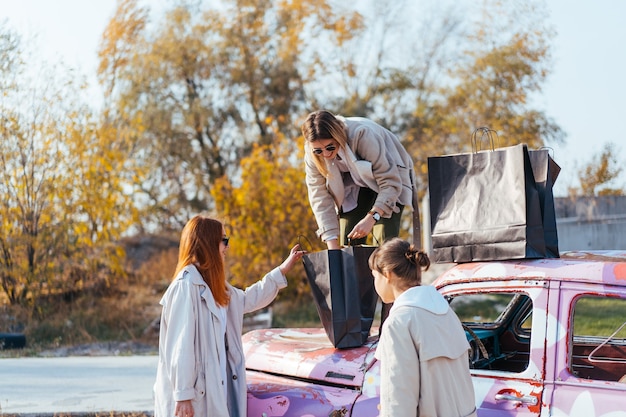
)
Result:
{"points": [[376, 216]]}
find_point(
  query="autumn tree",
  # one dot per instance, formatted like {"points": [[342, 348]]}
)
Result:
{"points": [[599, 174], [267, 212], [62, 206], [10, 57], [27, 159], [448, 72], [200, 85], [500, 59]]}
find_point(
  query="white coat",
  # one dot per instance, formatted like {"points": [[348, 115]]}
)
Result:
{"points": [[191, 345], [423, 353]]}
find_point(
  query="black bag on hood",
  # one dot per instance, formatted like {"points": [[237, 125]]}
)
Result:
{"points": [[343, 288]]}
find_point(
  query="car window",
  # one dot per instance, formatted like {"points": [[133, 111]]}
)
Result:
{"points": [[598, 348], [484, 308], [498, 327]]}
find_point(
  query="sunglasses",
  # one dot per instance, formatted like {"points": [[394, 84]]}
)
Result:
{"points": [[225, 240], [328, 148]]}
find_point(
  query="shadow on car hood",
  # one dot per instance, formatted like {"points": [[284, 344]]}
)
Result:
{"points": [[307, 354]]}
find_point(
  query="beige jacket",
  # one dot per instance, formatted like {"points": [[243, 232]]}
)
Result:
{"points": [[423, 353], [191, 347], [378, 158]]}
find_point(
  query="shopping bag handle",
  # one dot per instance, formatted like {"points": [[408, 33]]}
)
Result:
{"points": [[308, 241], [549, 149], [302, 247], [300, 237], [484, 132], [373, 237]]}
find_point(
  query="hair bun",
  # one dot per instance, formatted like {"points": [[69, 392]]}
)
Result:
{"points": [[410, 255], [423, 260]]}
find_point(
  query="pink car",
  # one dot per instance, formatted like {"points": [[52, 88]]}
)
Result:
{"points": [[548, 338]]}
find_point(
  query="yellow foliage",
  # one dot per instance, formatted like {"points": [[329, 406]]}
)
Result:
{"points": [[597, 176], [266, 213], [62, 188]]}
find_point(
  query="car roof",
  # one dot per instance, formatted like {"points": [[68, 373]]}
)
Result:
{"points": [[602, 267]]}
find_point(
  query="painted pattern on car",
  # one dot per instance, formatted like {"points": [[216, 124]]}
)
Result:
{"points": [[297, 372]]}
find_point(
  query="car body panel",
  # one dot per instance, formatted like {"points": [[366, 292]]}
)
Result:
{"points": [[323, 381], [530, 370], [272, 396], [307, 354], [506, 393], [571, 395]]}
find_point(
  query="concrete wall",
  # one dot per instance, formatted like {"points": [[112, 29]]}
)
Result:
{"points": [[586, 223]]}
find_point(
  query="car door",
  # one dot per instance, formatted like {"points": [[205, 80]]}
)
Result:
{"points": [[508, 318], [588, 375]]}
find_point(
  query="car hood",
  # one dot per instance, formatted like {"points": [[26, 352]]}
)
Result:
{"points": [[307, 354]]}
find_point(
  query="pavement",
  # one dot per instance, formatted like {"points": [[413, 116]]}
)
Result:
{"points": [[77, 385]]}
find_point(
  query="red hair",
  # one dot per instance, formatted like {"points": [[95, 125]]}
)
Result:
{"points": [[200, 246]]}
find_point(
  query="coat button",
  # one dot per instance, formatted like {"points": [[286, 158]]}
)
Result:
{"points": [[234, 377]]}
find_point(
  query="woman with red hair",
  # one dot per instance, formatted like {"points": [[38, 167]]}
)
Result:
{"points": [[201, 370]]}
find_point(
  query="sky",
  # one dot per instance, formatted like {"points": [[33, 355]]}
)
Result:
{"points": [[585, 93]]}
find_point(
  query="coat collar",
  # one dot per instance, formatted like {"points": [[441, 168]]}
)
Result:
{"points": [[192, 273], [423, 296], [360, 169]]}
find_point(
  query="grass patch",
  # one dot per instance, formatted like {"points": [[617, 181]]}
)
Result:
{"points": [[599, 316]]}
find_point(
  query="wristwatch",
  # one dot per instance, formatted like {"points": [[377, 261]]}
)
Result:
{"points": [[375, 215]]}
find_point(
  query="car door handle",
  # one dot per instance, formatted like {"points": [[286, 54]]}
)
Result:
{"points": [[524, 399]]}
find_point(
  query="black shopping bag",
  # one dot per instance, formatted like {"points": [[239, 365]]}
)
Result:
{"points": [[485, 206], [546, 171], [343, 288]]}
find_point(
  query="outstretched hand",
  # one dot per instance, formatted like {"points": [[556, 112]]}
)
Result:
{"points": [[362, 228], [295, 255]]}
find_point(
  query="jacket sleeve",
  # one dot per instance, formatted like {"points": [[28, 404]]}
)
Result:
{"points": [[321, 201], [399, 371], [177, 346], [263, 292], [370, 145]]}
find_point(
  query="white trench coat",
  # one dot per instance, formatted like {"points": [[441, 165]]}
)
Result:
{"points": [[191, 347]]}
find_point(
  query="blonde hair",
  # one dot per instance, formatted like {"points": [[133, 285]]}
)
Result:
{"points": [[200, 246], [320, 125], [401, 258]]}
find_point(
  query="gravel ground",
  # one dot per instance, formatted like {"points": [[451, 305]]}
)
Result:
{"points": [[101, 349]]}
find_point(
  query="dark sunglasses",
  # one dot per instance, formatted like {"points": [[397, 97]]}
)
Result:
{"points": [[225, 240], [328, 148]]}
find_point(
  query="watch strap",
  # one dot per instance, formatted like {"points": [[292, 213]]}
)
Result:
{"points": [[374, 214]]}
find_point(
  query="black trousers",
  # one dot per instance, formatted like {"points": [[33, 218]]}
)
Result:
{"points": [[383, 229]]}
